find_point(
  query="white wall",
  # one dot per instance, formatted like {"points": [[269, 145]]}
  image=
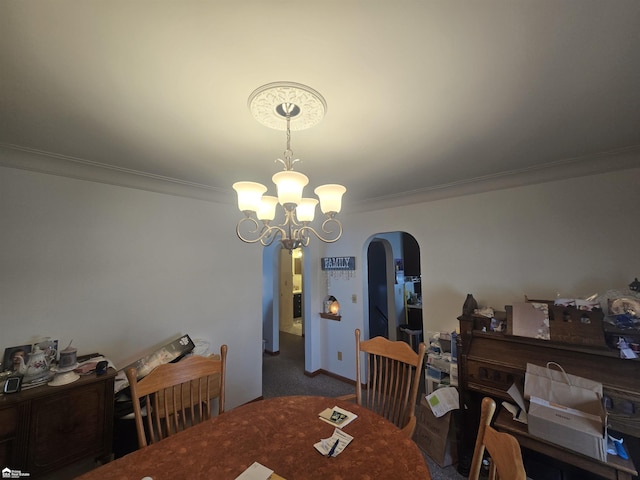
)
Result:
{"points": [[576, 237], [122, 271]]}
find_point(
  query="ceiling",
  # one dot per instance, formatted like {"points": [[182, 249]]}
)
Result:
{"points": [[426, 98]]}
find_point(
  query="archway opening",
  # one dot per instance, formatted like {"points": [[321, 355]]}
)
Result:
{"points": [[394, 286]]}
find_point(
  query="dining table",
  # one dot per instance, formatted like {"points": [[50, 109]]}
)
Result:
{"points": [[278, 433]]}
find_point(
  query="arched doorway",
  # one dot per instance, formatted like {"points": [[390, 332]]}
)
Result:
{"points": [[393, 285]]}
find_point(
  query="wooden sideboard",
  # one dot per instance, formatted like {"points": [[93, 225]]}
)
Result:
{"points": [[46, 428], [491, 362]]}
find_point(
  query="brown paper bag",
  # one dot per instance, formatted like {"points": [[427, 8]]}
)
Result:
{"points": [[566, 410]]}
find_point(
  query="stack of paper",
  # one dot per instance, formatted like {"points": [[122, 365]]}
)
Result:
{"points": [[337, 416], [333, 445], [443, 400], [257, 471]]}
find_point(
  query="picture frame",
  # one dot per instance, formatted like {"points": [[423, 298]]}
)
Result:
{"points": [[9, 353]]}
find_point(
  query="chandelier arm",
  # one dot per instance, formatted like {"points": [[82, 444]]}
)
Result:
{"points": [[265, 234], [294, 221], [300, 234], [290, 222], [335, 233], [304, 240], [269, 236]]}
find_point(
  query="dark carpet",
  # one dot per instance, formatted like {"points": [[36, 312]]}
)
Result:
{"points": [[283, 375]]}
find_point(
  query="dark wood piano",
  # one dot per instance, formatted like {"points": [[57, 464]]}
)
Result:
{"points": [[491, 362]]}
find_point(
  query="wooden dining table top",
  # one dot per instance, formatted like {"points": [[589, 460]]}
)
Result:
{"points": [[280, 434]]}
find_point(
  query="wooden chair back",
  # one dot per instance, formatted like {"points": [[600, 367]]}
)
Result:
{"points": [[177, 395], [393, 377], [504, 449]]}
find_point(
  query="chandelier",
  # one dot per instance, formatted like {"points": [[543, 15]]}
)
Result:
{"points": [[287, 106]]}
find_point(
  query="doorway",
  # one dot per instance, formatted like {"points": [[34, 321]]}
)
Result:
{"points": [[290, 318], [394, 285]]}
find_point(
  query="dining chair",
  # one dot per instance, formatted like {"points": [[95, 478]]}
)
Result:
{"points": [[503, 448], [392, 380], [177, 395]]}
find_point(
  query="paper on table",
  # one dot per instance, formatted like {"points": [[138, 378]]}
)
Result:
{"points": [[324, 446], [255, 471], [443, 400], [337, 416]]}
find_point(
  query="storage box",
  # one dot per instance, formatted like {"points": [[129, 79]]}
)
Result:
{"points": [[435, 436], [566, 410], [171, 352]]}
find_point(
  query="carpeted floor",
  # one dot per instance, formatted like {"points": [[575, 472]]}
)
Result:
{"points": [[283, 375]]}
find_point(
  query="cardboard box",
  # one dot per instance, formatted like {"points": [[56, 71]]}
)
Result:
{"points": [[171, 352], [566, 410], [530, 319], [436, 436]]}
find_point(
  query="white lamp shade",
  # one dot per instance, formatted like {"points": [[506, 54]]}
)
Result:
{"points": [[267, 208], [290, 185], [306, 210], [330, 197], [249, 194]]}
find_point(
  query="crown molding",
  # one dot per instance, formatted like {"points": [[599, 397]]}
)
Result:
{"points": [[24, 158], [14, 156], [622, 159]]}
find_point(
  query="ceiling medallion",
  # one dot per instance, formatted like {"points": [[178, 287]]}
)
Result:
{"points": [[265, 103]]}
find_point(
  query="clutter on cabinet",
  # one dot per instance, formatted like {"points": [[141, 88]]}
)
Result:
{"points": [[440, 364], [32, 362], [484, 311], [44, 427], [610, 320], [485, 317], [566, 409], [621, 321], [491, 364], [568, 321]]}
